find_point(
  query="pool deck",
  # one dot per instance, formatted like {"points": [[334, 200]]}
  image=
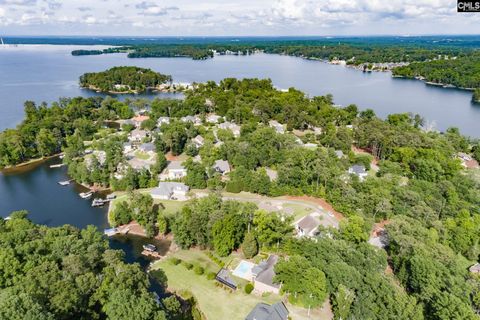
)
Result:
{"points": [[244, 274]]}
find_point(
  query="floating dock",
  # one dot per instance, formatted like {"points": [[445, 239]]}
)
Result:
{"points": [[56, 165]]}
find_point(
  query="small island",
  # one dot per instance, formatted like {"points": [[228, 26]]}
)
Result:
{"points": [[124, 80]]}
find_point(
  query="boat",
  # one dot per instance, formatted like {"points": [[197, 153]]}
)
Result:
{"points": [[110, 232], [111, 196], [149, 247], [56, 165], [86, 195], [98, 202], [64, 183]]}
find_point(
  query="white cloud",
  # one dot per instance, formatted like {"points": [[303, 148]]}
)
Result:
{"points": [[228, 17]]}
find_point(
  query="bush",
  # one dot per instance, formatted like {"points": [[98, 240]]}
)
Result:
{"points": [[211, 275], [198, 270], [248, 288], [175, 261], [219, 262], [187, 265]]}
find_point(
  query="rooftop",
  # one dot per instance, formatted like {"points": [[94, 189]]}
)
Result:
{"points": [[263, 311]]}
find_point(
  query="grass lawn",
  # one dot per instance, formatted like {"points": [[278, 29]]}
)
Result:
{"points": [[213, 301], [216, 302], [142, 155]]}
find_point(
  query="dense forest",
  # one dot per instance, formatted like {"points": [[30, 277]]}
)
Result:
{"points": [[66, 273], [353, 51], [462, 72], [123, 79], [416, 186]]}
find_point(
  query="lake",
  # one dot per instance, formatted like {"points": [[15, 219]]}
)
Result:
{"points": [[46, 72]]}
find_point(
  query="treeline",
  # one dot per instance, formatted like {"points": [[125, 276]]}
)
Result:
{"points": [[123, 79], [83, 52], [66, 273], [462, 72], [171, 51]]}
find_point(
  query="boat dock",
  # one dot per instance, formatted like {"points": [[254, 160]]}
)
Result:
{"points": [[152, 254], [65, 183], [114, 231], [56, 165]]}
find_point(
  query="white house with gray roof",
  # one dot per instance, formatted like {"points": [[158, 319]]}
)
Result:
{"points": [[230, 126], [170, 191], [174, 171], [307, 226], [277, 126], [198, 141], [163, 120]]}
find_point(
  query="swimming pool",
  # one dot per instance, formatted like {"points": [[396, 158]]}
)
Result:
{"points": [[244, 270]]}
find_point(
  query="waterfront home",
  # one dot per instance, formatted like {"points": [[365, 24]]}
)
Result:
{"points": [[137, 135], [198, 141], [148, 148], [307, 226], [99, 155], [138, 164], [221, 166], [138, 120], [163, 120], [263, 311], [170, 191], [358, 170], [213, 118], [277, 126], [230, 126], [263, 275], [174, 171]]}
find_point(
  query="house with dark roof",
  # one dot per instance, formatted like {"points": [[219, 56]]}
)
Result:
{"points": [[263, 311], [358, 170], [223, 276], [263, 274], [147, 147], [307, 226]]}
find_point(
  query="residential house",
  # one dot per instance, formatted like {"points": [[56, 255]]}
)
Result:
{"points": [[213, 118], [277, 126], [339, 154], [230, 126], [358, 170], [263, 275], [194, 119], [140, 164], [127, 147], [221, 166], [307, 226], [163, 120], [137, 135], [198, 141], [170, 191], [174, 171], [147, 148], [263, 311], [100, 155]]}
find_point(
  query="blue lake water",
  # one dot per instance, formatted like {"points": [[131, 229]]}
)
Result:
{"points": [[44, 73]]}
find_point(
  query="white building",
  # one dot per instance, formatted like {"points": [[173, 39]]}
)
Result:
{"points": [[198, 141], [137, 135], [170, 191], [163, 120], [230, 126], [307, 226], [174, 171], [213, 118], [277, 126]]}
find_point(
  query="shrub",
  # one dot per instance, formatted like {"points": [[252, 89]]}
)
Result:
{"points": [[211, 275], [198, 270], [248, 288], [187, 265], [175, 261]]}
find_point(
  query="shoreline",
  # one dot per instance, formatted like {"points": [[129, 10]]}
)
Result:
{"points": [[161, 89], [29, 162]]}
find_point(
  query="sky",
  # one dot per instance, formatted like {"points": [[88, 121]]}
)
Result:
{"points": [[234, 18]]}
